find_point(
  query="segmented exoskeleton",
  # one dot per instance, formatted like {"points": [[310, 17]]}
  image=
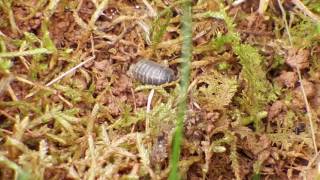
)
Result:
{"points": [[149, 72]]}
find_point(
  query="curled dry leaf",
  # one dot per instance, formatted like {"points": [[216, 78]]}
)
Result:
{"points": [[275, 109], [298, 58], [310, 91], [287, 79]]}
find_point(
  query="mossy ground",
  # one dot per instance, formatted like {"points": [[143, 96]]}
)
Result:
{"points": [[68, 109]]}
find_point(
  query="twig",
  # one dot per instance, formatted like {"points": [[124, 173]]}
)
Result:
{"points": [[263, 5], [93, 157], [11, 92], [313, 160], [77, 66], [69, 71], [308, 112], [50, 9], [285, 21], [65, 101], [97, 13], [150, 100], [151, 11], [7, 115], [305, 10], [5, 82], [2, 34], [301, 85], [238, 2], [148, 110], [39, 86], [146, 29]]}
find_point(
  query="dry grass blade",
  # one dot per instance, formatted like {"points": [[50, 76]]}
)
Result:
{"points": [[306, 11], [283, 12], [20, 174], [263, 5], [69, 109], [97, 13], [309, 113], [238, 2], [69, 71]]}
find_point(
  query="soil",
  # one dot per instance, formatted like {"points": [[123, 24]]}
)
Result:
{"points": [[94, 123]]}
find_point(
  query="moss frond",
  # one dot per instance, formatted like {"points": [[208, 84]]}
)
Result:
{"points": [[159, 27], [258, 90], [215, 91]]}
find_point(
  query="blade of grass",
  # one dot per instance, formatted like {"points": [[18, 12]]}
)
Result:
{"points": [[186, 21]]}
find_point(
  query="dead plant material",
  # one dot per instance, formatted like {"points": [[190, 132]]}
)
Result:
{"points": [[68, 110]]}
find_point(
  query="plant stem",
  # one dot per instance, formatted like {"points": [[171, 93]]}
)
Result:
{"points": [[186, 21], [24, 53]]}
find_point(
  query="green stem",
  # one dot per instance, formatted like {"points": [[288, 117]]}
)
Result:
{"points": [[186, 21], [24, 53]]}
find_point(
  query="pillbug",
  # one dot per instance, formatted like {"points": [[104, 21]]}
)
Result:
{"points": [[149, 72]]}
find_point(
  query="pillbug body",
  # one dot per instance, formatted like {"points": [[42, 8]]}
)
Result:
{"points": [[149, 72]]}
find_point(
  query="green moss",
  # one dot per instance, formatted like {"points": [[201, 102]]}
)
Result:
{"points": [[305, 34], [216, 91], [159, 26], [258, 91]]}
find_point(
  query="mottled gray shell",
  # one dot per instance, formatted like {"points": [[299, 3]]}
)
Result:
{"points": [[149, 72]]}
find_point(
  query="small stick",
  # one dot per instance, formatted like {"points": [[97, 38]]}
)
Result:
{"points": [[306, 11], [151, 11], [11, 92], [263, 6], [7, 115], [134, 100], [308, 113], [65, 101], [285, 21], [149, 109], [150, 100], [69, 71], [97, 13], [238, 2]]}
